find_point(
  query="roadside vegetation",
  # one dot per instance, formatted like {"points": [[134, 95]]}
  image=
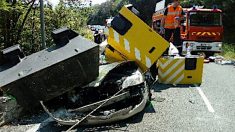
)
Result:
{"points": [[228, 51], [20, 22]]}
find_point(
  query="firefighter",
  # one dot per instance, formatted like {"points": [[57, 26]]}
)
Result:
{"points": [[170, 24]]}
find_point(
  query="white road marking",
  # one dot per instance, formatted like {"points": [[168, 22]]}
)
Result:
{"points": [[206, 101]]}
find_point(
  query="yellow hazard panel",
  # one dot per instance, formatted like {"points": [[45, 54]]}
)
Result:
{"points": [[139, 43], [172, 70], [112, 55]]}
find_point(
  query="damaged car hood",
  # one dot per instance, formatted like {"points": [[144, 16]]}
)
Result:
{"points": [[123, 78]]}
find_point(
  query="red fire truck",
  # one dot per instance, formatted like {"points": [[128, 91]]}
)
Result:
{"points": [[202, 29]]}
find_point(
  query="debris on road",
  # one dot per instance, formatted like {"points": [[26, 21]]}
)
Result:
{"points": [[192, 101], [218, 59], [227, 62], [119, 92], [212, 58], [221, 60]]}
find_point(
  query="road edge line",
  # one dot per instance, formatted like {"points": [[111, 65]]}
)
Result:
{"points": [[205, 99]]}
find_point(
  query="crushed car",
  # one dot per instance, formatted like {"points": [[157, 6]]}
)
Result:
{"points": [[119, 92]]}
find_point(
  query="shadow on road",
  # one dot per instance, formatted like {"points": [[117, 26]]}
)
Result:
{"points": [[157, 87]]}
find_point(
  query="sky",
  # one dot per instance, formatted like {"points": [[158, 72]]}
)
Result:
{"points": [[55, 2], [98, 1]]}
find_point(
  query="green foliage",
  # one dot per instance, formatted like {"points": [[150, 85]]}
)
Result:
{"points": [[228, 51], [10, 14], [63, 15], [106, 10], [3, 5], [190, 3], [111, 8]]}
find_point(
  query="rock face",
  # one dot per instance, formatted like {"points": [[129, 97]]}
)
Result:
{"points": [[51, 72]]}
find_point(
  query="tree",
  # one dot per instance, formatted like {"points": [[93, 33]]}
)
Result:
{"points": [[20, 23], [112, 7], [102, 12]]}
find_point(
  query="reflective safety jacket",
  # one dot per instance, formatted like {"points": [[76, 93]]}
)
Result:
{"points": [[170, 20]]}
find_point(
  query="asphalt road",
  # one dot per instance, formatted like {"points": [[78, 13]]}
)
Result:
{"points": [[208, 108]]}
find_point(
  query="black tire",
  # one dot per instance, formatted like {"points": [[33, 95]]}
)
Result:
{"points": [[208, 54]]}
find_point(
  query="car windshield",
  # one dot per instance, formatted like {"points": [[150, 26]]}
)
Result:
{"points": [[205, 19]]}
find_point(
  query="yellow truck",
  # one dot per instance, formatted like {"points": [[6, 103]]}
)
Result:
{"points": [[129, 38]]}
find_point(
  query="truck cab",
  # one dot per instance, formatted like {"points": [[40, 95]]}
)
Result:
{"points": [[202, 30]]}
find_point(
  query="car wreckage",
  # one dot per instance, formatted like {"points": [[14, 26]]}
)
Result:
{"points": [[119, 92], [68, 77]]}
